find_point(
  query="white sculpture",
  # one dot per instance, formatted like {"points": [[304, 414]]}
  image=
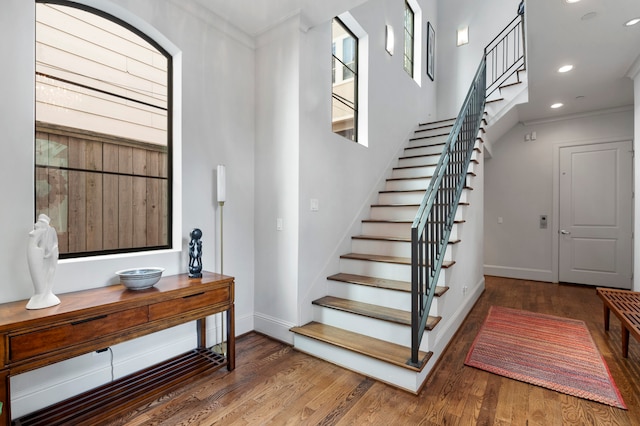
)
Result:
{"points": [[42, 258]]}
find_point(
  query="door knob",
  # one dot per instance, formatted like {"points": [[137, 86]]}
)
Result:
{"points": [[563, 232]]}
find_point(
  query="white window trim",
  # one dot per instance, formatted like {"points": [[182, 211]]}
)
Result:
{"points": [[363, 75], [417, 41]]}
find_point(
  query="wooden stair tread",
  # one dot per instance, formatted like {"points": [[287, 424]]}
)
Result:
{"points": [[464, 203], [428, 137], [401, 221], [388, 259], [369, 310], [365, 345], [415, 167], [404, 191], [420, 177], [394, 239], [408, 157], [404, 286], [437, 121]]}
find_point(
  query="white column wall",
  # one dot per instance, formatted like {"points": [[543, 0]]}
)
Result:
{"points": [[277, 178]]}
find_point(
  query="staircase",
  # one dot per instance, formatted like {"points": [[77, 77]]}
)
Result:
{"points": [[364, 322], [398, 299]]}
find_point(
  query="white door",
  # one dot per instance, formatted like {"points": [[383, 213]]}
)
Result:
{"points": [[595, 214]]}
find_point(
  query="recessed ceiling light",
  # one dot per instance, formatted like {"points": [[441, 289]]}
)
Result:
{"points": [[632, 22], [571, 1], [565, 68], [557, 105]]}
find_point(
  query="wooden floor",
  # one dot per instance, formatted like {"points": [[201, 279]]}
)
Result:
{"points": [[274, 384]]}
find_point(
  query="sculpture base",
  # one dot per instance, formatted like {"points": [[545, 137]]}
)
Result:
{"points": [[41, 301], [196, 275]]}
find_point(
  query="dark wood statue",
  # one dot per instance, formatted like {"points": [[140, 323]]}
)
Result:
{"points": [[195, 254]]}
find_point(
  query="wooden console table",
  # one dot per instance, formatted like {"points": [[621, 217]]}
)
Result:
{"points": [[91, 320]]}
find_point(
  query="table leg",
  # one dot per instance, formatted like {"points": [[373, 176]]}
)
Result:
{"points": [[201, 325], [231, 339], [625, 341], [606, 317]]}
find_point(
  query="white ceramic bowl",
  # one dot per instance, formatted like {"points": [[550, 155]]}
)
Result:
{"points": [[140, 278]]}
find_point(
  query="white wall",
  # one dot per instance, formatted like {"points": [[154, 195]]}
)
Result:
{"points": [[519, 187], [216, 125], [635, 75], [276, 178], [456, 66]]}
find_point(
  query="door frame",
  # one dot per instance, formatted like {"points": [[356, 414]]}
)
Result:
{"points": [[555, 228]]}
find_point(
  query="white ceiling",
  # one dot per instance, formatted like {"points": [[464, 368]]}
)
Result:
{"points": [[265, 14], [601, 48]]}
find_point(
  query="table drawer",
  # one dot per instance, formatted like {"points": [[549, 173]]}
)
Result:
{"points": [[183, 304], [27, 345]]}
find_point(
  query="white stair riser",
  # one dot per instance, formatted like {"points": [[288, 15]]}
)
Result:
{"points": [[424, 149], [385, 372], [383, 270], [385, 248], [394, 212], [384, 330], [391, 271], [440, 129], [382, 248], [390, 229], [401, 197], [413, 172], [377, 296], [407, 185], [387, 229]]}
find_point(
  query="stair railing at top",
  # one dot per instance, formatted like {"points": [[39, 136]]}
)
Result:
{"points": [[434, 220], [505, 55]]}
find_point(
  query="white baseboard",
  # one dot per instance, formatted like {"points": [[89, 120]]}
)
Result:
{"points": [[274, 327], [519, 273]]}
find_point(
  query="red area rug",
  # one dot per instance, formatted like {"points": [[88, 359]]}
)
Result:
{"points": [[552, 352]]}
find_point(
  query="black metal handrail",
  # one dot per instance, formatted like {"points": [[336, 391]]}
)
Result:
{"points": [[505, 54], [434, 220], [433, 223]]}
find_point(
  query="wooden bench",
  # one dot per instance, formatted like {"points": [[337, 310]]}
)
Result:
{"points": [[625, 305]]}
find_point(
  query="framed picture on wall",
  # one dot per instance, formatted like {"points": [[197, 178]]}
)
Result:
{"points": [[431, 51]]}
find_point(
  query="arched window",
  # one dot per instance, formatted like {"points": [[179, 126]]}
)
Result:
{"points": [[103, 132]]}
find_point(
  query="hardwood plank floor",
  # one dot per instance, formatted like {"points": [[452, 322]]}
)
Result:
{"points": [[274, 384]]}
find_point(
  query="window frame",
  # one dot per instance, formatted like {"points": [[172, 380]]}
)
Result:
{"points": [[355, 76], [409, 35], [170, 240]]}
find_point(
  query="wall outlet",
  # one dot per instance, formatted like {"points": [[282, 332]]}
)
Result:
{"points": [[465, 289]]}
